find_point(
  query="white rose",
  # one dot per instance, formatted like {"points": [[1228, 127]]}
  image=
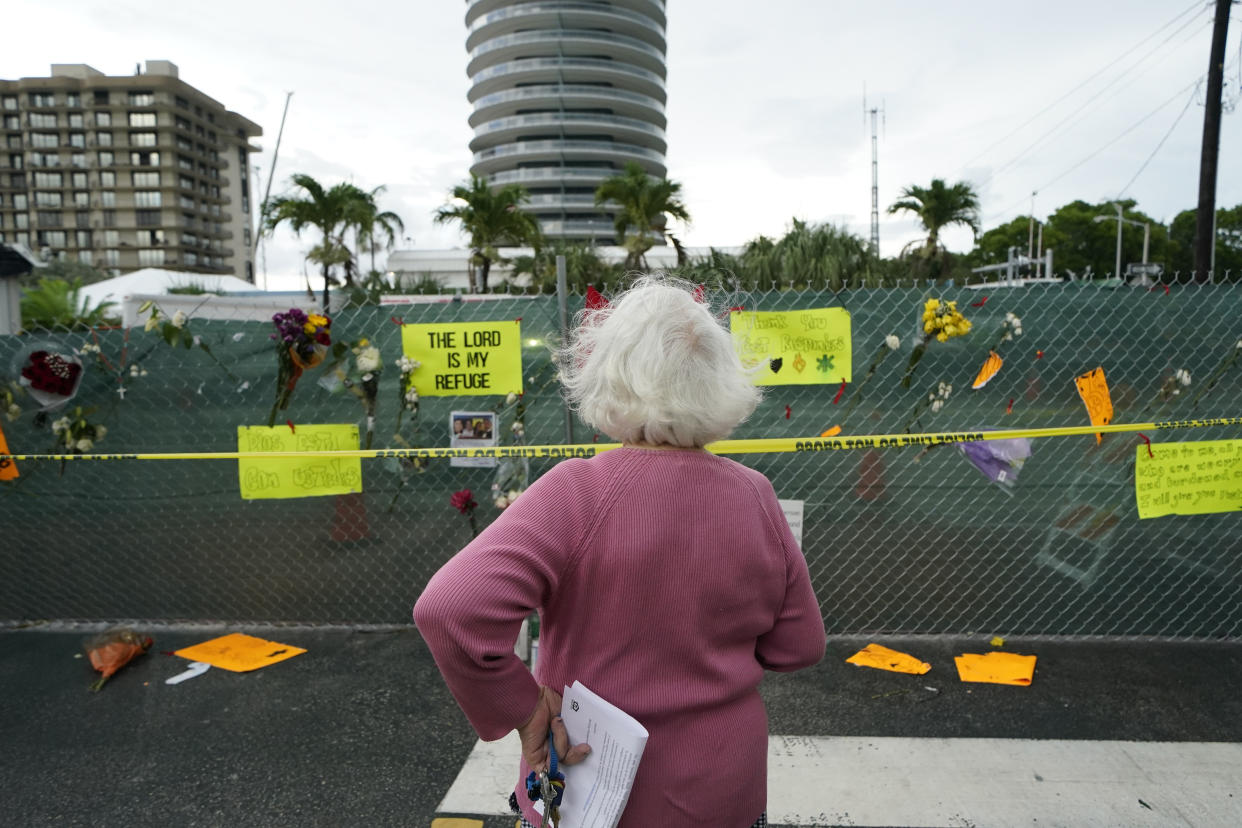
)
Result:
{"points": [[369, 360], [1182, 376], [84, 445], [500, 502], [60, 425], [179, 319], [892, 342], [948, 389], [937, 405], [15, 411], [100, 432], [511, 399], [153, 322]]}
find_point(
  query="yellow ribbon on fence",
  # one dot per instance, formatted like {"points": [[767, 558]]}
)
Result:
{"points": [[774, 445]]}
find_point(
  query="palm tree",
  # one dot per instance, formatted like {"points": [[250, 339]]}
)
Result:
{"points": [[937, 207], [370, 224], [328, 211], [645, 205], [491, 217]]}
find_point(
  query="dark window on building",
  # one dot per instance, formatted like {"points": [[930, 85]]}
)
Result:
{"points": [[147, 218], [101, 97]]}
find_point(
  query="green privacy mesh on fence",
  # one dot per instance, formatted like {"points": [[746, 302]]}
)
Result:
{"points": [[902, 540]]}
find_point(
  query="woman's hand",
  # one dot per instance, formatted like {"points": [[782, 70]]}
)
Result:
{"points": [[534, 734]]}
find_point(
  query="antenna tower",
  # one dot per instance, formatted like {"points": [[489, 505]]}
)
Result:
{"points": [[874, 113]]}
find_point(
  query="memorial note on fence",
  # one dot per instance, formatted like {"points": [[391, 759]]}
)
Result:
{"points": [[283, 477], [465, 358], [801, 347], [1188, 478], [597, 789]]}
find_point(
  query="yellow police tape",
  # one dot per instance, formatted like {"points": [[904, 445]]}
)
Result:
{"points": [[757, 446]]}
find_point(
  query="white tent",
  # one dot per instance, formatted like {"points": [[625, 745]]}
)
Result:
{"points": [[155, 281]]}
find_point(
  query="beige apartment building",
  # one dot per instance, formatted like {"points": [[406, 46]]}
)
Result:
{"points": [[126, 172]]}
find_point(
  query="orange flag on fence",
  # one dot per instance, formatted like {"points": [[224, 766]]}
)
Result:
{"points": [[1093, 389], [8, 468], [991, 367]]}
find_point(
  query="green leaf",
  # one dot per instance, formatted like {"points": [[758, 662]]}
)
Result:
{"points": [[170, 331], [186, 339]]}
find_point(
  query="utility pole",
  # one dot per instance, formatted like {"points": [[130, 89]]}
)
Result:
{"points": [[874, 112], [1205, 215]]}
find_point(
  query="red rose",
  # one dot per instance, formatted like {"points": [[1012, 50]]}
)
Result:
{"points": [[463, 501]]}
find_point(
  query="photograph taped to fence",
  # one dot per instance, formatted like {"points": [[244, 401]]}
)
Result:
{"points": [[472, 430], [465, 358]]}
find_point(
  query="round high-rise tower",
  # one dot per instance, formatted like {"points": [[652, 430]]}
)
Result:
{"points": [[565, 93]]}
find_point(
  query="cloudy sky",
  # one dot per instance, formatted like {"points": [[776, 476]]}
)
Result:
{"points": [[1070, 99]]}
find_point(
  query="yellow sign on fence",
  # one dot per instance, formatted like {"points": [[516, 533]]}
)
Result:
{"points": [[465, 358], [801, 347], [284, 477], [1188, 478]]}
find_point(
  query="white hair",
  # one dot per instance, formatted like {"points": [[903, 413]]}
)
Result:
{"points": [[657, 367]]}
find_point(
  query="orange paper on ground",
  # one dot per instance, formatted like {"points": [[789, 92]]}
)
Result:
{"points": [[1093, 388], [882, 658], [8, 468], [996, 668], [239, 653]]}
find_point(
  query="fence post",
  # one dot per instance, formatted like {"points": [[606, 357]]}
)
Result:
{"points": [[562, 304]]}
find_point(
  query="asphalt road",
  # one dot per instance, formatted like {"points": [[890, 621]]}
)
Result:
{"points": [[360, 730]]}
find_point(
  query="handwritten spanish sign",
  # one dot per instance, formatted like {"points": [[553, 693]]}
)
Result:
{"points": [[1188, 478], [803, 347], [285, 477], [465, 358]]}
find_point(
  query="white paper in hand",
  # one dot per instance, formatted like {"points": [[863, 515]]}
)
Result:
{"points": [[597, 789]]}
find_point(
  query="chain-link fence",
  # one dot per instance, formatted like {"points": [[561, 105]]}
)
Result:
{"points": [[898, 540]]}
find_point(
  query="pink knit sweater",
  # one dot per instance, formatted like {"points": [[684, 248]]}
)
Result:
{"points": [[666, 581]]}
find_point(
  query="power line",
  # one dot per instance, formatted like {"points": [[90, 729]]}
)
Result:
{"points": [[1090, 78], [1147, 64], [1185, 109], [1105, 146]]}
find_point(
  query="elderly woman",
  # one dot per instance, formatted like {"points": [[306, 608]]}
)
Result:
{"points": [[666, 577]]}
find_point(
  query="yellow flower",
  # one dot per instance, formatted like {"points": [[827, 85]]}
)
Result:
{"points": [[364, 342], [950, 330], [942, 337], [928, 327], [309, 327], [318, 320], [931, 304]]}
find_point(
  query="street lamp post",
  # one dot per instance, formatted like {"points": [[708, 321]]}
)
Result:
{"points": [[1146, 225]]}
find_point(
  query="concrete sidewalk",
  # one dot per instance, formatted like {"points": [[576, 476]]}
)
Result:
{"points": [[361, 731]]}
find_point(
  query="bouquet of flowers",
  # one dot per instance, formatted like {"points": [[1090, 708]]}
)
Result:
{"points": [[52, 378], [8, 401], [364, 382], [941, 321], [302, 342], [175, 330], [887, 346], [112, 650], [512, 473], [1170, 388], [409, 394], [937, 398], [1219, 372], [75, 434]]}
